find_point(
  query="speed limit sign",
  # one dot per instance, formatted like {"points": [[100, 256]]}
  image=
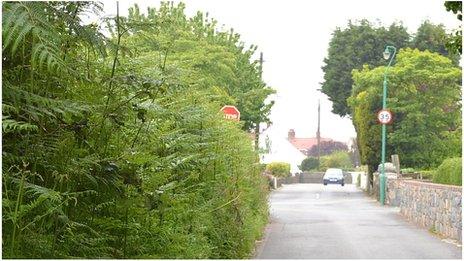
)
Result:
{"points": [[384, 116]]}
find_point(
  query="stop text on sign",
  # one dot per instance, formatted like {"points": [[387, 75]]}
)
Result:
{"points": [[384, 116], [231, 113]]}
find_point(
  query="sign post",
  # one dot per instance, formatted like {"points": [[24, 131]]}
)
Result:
{"points": [[231, 113], [385, 117]]}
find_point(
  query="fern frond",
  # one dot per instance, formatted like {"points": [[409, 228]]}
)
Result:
{"points": [[6, 108], [10, 125], [12, 33], [49, 55]]}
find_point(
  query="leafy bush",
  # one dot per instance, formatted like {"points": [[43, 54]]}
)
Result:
{"points": [[328, 147], [114, 148], [407, 170], [339, 159], [309, 163], [449, 172], [427, 174], [262, 167], [358, 180], [278, 169]]}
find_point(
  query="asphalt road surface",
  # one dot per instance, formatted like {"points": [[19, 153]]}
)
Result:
{"points": [[312, 221]]}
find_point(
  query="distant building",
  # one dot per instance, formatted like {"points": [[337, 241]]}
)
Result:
{"points": [[282, 151], [304, 145]]}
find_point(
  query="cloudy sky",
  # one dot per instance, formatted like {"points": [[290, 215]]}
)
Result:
{"points": [[294, 37]]}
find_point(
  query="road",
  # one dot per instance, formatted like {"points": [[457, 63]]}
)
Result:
{"points": [[312, 221]]}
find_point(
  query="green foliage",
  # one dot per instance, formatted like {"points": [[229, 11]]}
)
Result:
{"points": [[427, 174], [339, 159], [278, 169], [424, 94], [204, 57], [432, 37], [358, 180], [262, 167], [363, 44], [114, 147], [407, 170], [351, 48], [328, 147], [454, 40], [309, 163], [449, 172]]}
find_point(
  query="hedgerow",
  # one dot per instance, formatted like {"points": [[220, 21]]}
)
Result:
{"points": [[114, 147]]}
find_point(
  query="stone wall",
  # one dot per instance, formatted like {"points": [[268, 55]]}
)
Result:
{"points": [[313, 177], [436, 207], [288, 180], [305, 177]]}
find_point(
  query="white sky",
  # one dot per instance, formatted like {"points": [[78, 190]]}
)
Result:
{"points": [[294, 37]]}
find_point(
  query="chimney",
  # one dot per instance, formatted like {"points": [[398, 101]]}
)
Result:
{"points": [[291, 134]]}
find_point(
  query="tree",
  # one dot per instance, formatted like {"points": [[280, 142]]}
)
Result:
{"points": [[454, 41], [360, 43], [309, 163], [328, 147], [354, 153], [424, 96], [205, 58], [339, 159], [433, 38]]}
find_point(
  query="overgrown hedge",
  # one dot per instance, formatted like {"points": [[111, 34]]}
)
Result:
{"points": [[115, 148], [449, 172], [278, 169]]}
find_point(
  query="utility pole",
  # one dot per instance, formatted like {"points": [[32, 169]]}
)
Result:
{"points": [[257, 123], [318, 134]]}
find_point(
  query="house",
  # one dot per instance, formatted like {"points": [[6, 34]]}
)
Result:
{"points": [[282, 151], [304, 145]]}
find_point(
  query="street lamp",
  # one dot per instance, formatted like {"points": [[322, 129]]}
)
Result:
{"points": [[389, 53]]}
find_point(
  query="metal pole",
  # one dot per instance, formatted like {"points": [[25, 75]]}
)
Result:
{"points": [[318, 134], [257, 123], [382, 178], [384, 134]]}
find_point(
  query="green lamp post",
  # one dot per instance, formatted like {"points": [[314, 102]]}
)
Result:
{"points": [[388, 54]]}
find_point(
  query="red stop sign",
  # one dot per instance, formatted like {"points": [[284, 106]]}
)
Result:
{"points": [[231, 112]]}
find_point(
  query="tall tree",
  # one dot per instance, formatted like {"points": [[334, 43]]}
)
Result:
{"points": [[454, 41], [208, 58], [327, 147], [424, 96], [433, 38], [360, 43]]}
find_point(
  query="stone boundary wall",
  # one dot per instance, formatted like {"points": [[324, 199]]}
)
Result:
{"points": [[315, 177], [305, 177], [436, 207]]}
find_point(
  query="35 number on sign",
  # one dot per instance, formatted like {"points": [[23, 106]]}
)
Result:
{"points": [[384, 117]]}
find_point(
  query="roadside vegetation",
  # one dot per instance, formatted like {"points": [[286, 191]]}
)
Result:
{"points": [[334, 154], [449, 172], [278, 169], [114, 147], [424, 91], [337, 159]]}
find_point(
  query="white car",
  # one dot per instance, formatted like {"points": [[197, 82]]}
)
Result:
{"points": [[334, 176]]}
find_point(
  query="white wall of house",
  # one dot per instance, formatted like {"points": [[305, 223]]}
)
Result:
{"points": [[283, 151]]}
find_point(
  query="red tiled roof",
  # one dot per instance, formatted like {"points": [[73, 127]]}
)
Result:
{"points": [[305, 143]]}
